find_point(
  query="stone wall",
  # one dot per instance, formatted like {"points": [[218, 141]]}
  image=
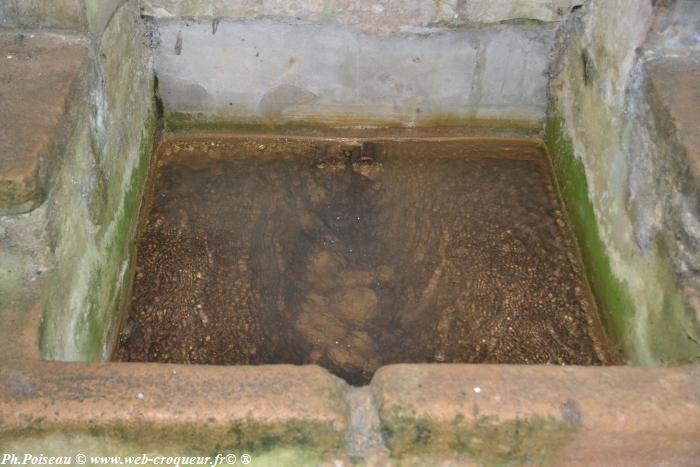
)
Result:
{"points": [[624, 174], [92, 239], [627, 169], [71, 255], [345, 63], [35, 14]]}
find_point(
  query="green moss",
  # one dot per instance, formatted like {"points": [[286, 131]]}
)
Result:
{"points": [[612, 296], [483, 439], [329, 9], [188, 122], [255, 437]]}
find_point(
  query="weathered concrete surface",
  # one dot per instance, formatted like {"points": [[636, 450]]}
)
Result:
{"points": [[271, 71], [55, 14], [507, 415], [624, 172], [382, 16], [38, 80]]}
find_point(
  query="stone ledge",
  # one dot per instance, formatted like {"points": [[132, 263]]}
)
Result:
{"points": [[674, 82], [38, 76], [503, 414], [58, 14], [369, 15], [188, 407], [674, 99]]}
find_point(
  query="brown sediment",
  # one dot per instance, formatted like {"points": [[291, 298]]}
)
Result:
{"points": [[353, 255]]}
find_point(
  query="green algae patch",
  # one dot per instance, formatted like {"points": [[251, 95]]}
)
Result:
{"points": [[612, 296], [274, 443], [93, 209], [183, 122], [99, 266], [104, 311], [308, 438], [483, 439]]}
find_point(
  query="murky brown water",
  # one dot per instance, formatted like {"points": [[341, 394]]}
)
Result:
{"points": [[289, 250]]}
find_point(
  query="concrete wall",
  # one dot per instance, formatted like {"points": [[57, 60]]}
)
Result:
{"points": [[624, 174], [354, 62]]}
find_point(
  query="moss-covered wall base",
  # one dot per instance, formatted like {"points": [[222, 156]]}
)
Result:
{"points": [[93, 209]]}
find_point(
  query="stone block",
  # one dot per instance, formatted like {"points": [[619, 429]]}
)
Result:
{"points": [[509, 415], [38, 80]]}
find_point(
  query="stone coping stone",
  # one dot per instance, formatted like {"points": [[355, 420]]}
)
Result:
{"points": [[38, 81], [427, 414], [675, 84], [195, 407], [512, 415], [56, 14], [380, 17]]}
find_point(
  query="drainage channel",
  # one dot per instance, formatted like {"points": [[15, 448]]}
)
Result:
{"points": [[354, 254]]}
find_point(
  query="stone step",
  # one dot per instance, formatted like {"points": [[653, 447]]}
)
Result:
{"points": [[674, 82], [38, 81], [675, 102], [54, 14]]}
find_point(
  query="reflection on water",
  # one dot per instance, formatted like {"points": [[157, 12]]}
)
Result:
{"points": [[297, 251]]}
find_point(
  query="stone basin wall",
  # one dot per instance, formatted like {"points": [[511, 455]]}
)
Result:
{"points": [[354, 62], [615, 82], [71, 254], [622, 133], [597, 72]]}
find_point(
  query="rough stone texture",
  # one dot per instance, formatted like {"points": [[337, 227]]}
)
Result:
{"points": [[61, 409], [93, 212], [57, 14], [622, 156], [99, 13], [72, 253], [624, 416], [380, 16], [288, 415], [674, 98], [507, 415], [270, 71], [38, 80], [675, 31], [674, 82]]}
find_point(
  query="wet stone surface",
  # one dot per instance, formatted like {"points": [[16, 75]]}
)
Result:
{"points": [[352, 256]]}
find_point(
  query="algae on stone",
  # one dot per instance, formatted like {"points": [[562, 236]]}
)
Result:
{"points": [[615, 166], [95, 205]]}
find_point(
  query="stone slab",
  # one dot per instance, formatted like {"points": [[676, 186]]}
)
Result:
{"points": [[37, 14], [675, 83], [191, 408], [382, 16], [267, 71], [546, 415], [38, 76]]}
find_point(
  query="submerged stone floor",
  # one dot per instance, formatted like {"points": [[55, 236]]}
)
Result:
{"points": [[354, 255]]}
